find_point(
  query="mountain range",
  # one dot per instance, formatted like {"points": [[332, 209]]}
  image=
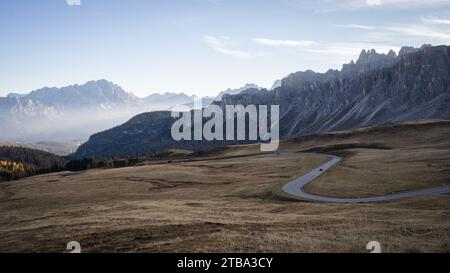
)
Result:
{"points": [[78, 111], [376, 89]]}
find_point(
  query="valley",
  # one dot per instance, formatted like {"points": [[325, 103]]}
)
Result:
{"points": [[231, 200]]}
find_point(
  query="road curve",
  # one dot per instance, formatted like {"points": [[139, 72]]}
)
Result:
{"points": [[295, 188]]}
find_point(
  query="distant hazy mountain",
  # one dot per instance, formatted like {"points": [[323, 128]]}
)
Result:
{"points": [[62, 114], [100, 93], [78, 111], [15, 95], [56, 148], [237, 91], [167, 100], [206, 101], [376, 89]]}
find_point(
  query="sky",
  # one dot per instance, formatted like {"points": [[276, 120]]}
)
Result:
{"points": [[200, 47]]}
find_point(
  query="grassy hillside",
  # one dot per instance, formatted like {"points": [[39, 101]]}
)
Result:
{"points": [[383, 159], [230, 200]]}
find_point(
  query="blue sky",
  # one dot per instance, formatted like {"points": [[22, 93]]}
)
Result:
{"points": [[200, 46]]}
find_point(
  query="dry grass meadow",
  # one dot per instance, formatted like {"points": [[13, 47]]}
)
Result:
{"points": [[231, 201]]}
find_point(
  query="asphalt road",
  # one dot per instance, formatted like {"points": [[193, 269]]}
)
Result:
{"points": [[295, 188]]}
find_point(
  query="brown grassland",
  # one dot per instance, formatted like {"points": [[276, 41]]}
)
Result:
{"points": [[231, 200]]}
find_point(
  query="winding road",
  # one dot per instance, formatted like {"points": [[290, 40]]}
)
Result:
{"points": [[295, 187]]}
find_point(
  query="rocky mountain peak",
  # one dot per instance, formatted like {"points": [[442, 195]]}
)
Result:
{"points": [[392, 53], [372, 58], [368, 61], [410, 49]]}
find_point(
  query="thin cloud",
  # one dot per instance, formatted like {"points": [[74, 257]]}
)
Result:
{"points": [[321, 6], [373, 2], [405, 3], [429, 30], [220, 44], [435, 20], [73, 2], [291, 43], [356, 26], [382, 38], [420, 31]]}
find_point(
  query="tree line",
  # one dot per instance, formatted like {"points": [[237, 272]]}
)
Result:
{"points": [[13, 170], [89, 163], [18, 162]]}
